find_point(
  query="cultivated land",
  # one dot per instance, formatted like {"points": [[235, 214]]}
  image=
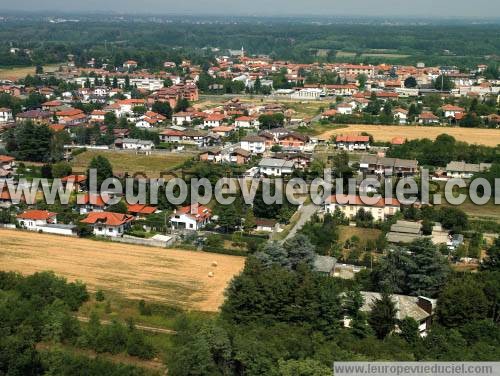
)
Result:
{"points": [[174, 277], [21, 72], [123, 161], [488, 137]]}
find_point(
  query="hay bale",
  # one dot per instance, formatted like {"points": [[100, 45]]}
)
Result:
{"points": [[211, 274], [214, 263]]}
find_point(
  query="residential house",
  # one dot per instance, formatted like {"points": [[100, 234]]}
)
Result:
{"points": [[452, 112], [134, 144], [191, 217], [91, 202], [36, 116], [181, 118], [7, 162], [420, 308], [35, 220], [71, 116], [382, 166], [130, 64], [214, 120], [352, 142], [293, 140], [350, 205], [79, 182], [275, 167], [456, 169], [108, 223], [97, 116], [53, 106], [246, 122], [301, 161], [401, 115], [428, 118], [254, 144], [6, 115], [266, 225], [344, 109], [141, 210], [223, 130]]}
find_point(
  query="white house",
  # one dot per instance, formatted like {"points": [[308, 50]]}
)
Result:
{"points": [[451, 111], [214, 120], [191, 217], [351, 205], [276, 167], [401, 115], [6, 115], [352, 142], [456, 169], [344, 109], [35, 220], [428, 118], [246, 122], [108, 223], [181, 118], [134, 144], [254, 144]]}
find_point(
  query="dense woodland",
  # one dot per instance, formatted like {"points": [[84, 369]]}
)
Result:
{"points": [[153, 41]]}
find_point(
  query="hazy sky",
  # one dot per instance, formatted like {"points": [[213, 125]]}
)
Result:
{"points": [[419, 8]]}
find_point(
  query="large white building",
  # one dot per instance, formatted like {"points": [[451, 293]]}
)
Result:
{"points": [[254, 144], [351, 205]]}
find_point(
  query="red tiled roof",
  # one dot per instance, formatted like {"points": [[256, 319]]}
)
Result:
{"points": [[52, 103], [200, 214], [96, 199], [140, 209], [356, 201], [107, 218], [36, 215], [6, 159], [215, 117], [69, 112], [428, 115], [450, 107], [74, 178]]}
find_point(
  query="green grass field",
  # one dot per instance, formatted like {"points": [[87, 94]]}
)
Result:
{"points": [[364, 234], [150, 165]]}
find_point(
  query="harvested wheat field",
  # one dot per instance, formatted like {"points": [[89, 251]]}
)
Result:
{"points": [[169, 276], [488, 137]]}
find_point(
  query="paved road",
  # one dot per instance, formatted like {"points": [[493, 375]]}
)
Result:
{"points": [[150, 329], [306, 212]]}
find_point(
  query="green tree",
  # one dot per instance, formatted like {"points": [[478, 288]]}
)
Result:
{"points": [[61, 169], [162, 108], [300, 250], [382, 317], [462, 301], [304, 367], [410, 82], [443, 83], [103, 168]]}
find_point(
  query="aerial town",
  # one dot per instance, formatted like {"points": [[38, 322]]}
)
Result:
{"points": [[193, 287]]}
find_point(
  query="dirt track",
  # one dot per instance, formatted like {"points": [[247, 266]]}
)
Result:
{"points": [[154, 274]]}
